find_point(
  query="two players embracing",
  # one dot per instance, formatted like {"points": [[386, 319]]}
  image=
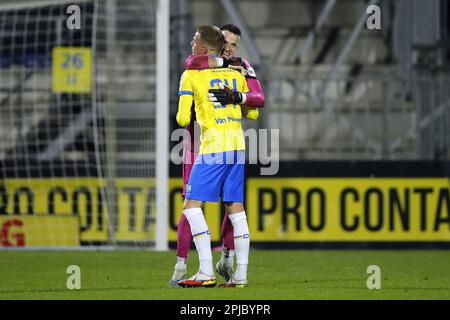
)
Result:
{"points": [[216, 168]]}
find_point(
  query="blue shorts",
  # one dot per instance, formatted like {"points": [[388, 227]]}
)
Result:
{"points": [[217, 175]]}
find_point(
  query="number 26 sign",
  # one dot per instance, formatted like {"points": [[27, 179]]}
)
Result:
{"points": [[71, 71]]}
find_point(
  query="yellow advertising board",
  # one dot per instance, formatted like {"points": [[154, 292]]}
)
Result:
{"points": [[348, 209], [82, 198], [39, 230], [71, 70], [278, 209]]}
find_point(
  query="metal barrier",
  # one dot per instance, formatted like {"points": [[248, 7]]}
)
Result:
{"points": [[377, 117]]}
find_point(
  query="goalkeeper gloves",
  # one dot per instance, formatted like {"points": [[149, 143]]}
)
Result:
{"points": [[235, 63], [225, 95]]}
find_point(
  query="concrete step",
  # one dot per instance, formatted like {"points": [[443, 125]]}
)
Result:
{"points": [[337, 132], [280, 13], [368, 49], [336, 153]]}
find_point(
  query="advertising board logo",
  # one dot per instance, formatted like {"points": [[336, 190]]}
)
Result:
{"points": [[9, 236]]}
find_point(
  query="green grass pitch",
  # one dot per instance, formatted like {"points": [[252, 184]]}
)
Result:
{"points": [[286, 274]]}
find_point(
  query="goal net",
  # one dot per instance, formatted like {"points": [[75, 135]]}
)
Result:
{"points": [[83, 148]]}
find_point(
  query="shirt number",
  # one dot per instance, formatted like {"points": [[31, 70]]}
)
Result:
{"points": [[225, 82]]}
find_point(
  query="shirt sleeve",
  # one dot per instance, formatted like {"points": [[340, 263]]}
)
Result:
{"points": [[251, 113], [186, 94], [244, 86], [186, 87], [255, 95]]}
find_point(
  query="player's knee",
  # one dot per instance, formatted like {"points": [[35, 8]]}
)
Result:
{"points": [[233, 207], [189, 204]]}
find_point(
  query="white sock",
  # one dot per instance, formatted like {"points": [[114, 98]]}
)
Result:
{"points": [[241, 243], [227, 258], [202, 238], [181, 263]]}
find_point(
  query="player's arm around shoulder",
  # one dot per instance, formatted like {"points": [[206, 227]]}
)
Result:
{"points": [[200, 62], [255, 95], [248, 112]]}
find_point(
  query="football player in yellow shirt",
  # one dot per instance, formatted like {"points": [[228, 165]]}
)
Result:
{"points": [[248, 101], [218, 170]]}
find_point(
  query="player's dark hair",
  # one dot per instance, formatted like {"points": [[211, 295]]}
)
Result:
{"points": [[212, 36], [232, 28]]}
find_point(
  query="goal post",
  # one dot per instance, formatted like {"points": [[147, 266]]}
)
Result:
{"points": [[84, 119], [162, 125]]}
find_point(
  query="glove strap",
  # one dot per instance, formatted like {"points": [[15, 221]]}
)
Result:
{"points": [[244, 98], [222, 62], [238, 97], [219, 62]]}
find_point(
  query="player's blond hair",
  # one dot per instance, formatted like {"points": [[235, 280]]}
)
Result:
{"points": [[212, 36]]}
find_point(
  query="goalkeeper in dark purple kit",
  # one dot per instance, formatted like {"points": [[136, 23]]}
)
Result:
{"points": [[253, 98]]}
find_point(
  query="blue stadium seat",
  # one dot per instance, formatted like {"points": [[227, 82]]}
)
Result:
{"points": [[5, 62], [37, 61]]}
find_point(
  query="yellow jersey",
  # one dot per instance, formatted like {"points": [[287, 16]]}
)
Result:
{"points": [[221, 128]]}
